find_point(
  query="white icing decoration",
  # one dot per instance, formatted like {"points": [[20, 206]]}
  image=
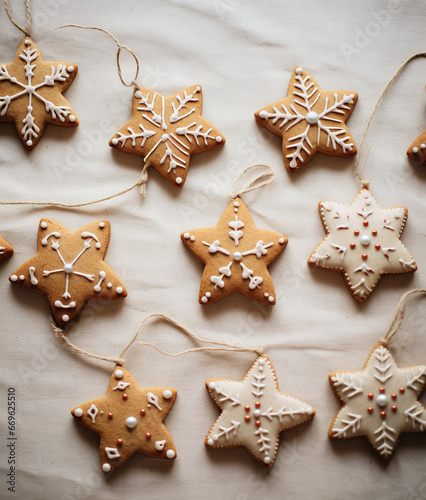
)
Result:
{"points": [[131, 422], [255, 281], [186, 236], [102, 276], [43, 224], [106, 467], [101, 225], [112, 453], [65, 318], [86, 234], [167, 394], [152, 398], [236, 234], [170, 454], [119, 373], [215, 247], [159, 445], [46, 238], [257, 397], [119, 290], [71, 305], [258, 250], [78, 412], [121, 386], [34, 280], [224, 271], [92, 412], [14, 277]]}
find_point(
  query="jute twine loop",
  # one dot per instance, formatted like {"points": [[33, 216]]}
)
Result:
{"points": [[397, 72], [253, 177], [27, 30], [398, 316]]}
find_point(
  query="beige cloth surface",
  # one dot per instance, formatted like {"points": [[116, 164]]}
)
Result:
{"points": [[242, 52]]}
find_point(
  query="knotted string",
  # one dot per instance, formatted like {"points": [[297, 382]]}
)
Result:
{"points": [[259, 175], [398, 316], [366, 183], [222, 346], [27, 30]]}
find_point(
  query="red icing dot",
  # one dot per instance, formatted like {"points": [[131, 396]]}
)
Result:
{"points": [[382, 389], [142, 412], [364, 256], [365, 223], [352, 245], [247, 408], [370, 409], [370, 396], [393, 408], [257, 404], [125, 397], [402, 390], [377, 246], [258, 423], [247, 418], [374, 232], [109, 415], [148, 435], [119, 442], [393, 396], [356, 232], [383, 414]]}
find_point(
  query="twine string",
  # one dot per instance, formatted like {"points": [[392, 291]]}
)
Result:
{"points": [[398, 316], [253, 177], [27, 30], [120, 47], [361, 178]]}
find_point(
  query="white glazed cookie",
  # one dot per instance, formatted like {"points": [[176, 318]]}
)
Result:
{"points": [[310, 120], [166, 131], [6, 250], [380, 402], [254, 412], [417, 151], [236, 255], [129, 419], [31, 93], [362, 242]]}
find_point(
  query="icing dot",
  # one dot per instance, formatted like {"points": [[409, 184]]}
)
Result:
{"points": [[257, 423], [43, 224], [204, 300], [29, 142], [263, 114], [364, 256], [212, 385], [247, 407], [311, 118], [299, 70], [365, 223], [236, 204], [98, 245], [142, 412], [382, 399], [192, 238], [119, 442], [237, 255], [138, 94], [65, 318], [370, 396], [27, 42], [109, 285], [266, 294], [382, 389], [365, 240], [210, 442], [164, 138], [215, 437], [393, 396], [106, 467], [257, 404], [68, 268], [78, 412], [178, 180], [370, 409], [71, 118], [109, 415], [383, 414], [261, 362], [271, 299], [119, 373], [267, 460], [115, 141], [148, 435], [377, 246], [208, 294], [131, 422], [101, 225], [119, 290], [415, 150], [218, 139], [22, 277], [423, 146], [402, 390], [125, 397], [352, 245], [198, 89], [247, 418], [236, 210], [170, 454], [281, 241], [393, 408], [167, 394], [374, 232], [186, 236], [70, 69], [356, 232], [256, 413]]}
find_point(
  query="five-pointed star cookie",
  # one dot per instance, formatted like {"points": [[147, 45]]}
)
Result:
{"points": [[362, 242], [417, 151], [31, 93], [129, 419], [6, 250], [380, 402], [236, 255], [310, 119], [167, 130], [69, 268], [254, 412]]}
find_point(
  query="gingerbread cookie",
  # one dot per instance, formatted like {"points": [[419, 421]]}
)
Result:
{"points": [[379, 402], [417, 151], [254, 412], [69, 268], [310, 119], [129, 419], [362, 242], [236, 255], [5, 249], [31, 93], [167, 130]]}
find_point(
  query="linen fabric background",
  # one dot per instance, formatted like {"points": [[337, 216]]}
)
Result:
{"points": [[242, 53]]}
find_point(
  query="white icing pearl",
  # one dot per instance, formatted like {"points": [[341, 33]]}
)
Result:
{"points": [[271, 299], [170, 454], [29, 142], [106, 467], [267, 460], [138, 94], [299, 71], [131, 422], [204, 300], [98, 244], [236, 204], [256, 413], [237, 255], [27, 42], [119, 290], [415, 150], [101, 225], [423, 146], [218, 139], [215, 437], [208, 294], [115, 141], [261, 361], [186, 236], [22, 277], [43, 224], [365, 240], [266, 294], [311, 117], [382, 399], [210, 442], [119, 373], [192, 238], [109, 285], [281, 241], [65, 318], [263, 114], [70, 69], [167, 394], [178, 180], [68, 268], [71, 118], [212, 385], [78, 412]]}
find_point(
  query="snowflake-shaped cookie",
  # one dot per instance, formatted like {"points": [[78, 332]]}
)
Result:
{"points": [[362, 242], [69, 268], [167, 130], [31, 93], [380, 402], [236, 255], [254, 412], [310, 119], [417, 151], [129, 419], [6, 250]]}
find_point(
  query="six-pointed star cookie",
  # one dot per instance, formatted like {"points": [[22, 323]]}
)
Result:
{"points": [[254, 412], [5, 249], [31, 93], [167, 130], [380, 402], [129, 419], [236, 255], [310, 119], [417, 151], [362, 242], [69, 268]]}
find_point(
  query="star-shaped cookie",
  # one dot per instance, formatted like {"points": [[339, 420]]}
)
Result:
{"points": [[254, 412], [310, 119], [379, 402], [69, 268], [31, 93], [167, 130], [236, 255], [129, 419], [362, 242], [5, 249], [417, 151]]}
